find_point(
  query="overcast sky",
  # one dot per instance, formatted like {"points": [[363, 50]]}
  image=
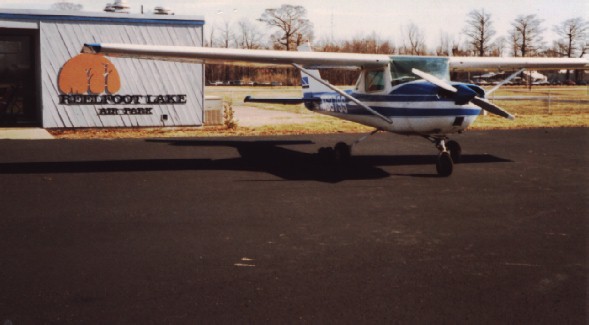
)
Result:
{"points": [[345, 19]]}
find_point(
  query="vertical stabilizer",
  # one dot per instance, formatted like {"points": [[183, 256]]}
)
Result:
{"points": [[310, 85]]}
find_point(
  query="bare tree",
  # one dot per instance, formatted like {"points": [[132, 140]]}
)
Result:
{"points": [[573, 33], [227, 36], [526, 35], [573, 41], [67, 6], [414, 44], [514, 42], [448, 45], [498, 46], [249, 36], [372, 43], [293, 24], [210, 41], [479, 30]]}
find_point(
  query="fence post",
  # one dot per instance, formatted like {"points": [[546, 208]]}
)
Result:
{"points": [[549, 111]]}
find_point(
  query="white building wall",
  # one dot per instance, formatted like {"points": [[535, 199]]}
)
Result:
{"points": [[62, 40]]}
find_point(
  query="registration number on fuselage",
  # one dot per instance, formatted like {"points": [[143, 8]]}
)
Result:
{"points": [[336, 104]]}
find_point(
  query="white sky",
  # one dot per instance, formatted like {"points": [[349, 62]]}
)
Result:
{"points": [[345, 19]]}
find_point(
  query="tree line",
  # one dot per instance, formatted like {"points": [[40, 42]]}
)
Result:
{"points": [[290, 27]]}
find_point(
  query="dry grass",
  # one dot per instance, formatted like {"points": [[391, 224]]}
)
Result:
{"points": [[559, 107], [529, 114], [315, 127]]}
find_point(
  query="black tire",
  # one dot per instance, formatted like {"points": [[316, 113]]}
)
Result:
{"points": [[455, 151], [444, 165], [342, 152]]}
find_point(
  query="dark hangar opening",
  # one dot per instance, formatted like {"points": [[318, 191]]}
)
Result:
{"points": [[18, 82]]}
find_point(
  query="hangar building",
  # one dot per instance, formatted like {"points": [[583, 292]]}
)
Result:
{"points": [[45, 80]]}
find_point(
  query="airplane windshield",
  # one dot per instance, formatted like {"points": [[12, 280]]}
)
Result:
{"points": [[401, 68]]}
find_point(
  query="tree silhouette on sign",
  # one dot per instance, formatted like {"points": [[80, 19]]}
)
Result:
{"points": [[89, 74]]}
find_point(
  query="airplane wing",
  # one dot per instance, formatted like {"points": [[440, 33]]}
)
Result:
{"points": [[318, 59], [238, 56], [497, 63]]}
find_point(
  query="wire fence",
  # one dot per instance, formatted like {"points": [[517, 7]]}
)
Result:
{"points": [[545, 101]]}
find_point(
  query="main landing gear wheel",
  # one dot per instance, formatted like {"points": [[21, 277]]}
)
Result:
{"points": [[341, 153], [444, 164]]}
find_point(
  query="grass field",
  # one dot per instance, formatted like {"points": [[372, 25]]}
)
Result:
{"points": [[548, 106]]}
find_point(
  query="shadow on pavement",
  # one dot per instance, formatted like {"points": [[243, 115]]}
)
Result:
{"points": [[258, 156]]}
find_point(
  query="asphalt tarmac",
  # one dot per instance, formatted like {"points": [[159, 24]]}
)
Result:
{"points": [[254, 230]]}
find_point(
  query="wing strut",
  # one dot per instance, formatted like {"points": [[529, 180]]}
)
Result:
{"points": [[342, 93], [504, 82]]}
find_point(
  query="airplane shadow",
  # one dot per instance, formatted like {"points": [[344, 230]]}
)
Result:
{"points": [[259, 156]]}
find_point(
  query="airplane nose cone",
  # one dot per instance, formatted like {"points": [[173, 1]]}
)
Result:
{"points": [[463, 95]]}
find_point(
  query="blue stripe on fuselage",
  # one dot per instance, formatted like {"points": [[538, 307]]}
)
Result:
{"points": [[354, 109], [416, 91], [381, 98], [414, 112]]}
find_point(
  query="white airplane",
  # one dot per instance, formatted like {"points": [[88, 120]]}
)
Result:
{"points": [[410, 95]]}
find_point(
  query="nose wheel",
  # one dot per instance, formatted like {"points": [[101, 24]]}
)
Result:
{"points": [[450, 153], [444, 164], [455, 151]]}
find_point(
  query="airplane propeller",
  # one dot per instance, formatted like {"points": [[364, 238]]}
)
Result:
{"points": [[463, 96]]}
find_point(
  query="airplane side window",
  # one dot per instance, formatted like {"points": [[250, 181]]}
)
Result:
{"points": [[374, 80]]}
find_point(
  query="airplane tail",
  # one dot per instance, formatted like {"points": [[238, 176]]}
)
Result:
{"points": [[312, 89], [311, 86]]}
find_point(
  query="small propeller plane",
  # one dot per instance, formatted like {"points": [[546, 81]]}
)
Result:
{"points": [[409, 95]]}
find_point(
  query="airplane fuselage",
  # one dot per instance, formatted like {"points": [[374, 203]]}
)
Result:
{"points": [[415, 108]]}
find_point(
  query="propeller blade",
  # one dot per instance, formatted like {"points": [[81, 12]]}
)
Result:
{"points": [[491, 108], [480, 102], [435, 80]]}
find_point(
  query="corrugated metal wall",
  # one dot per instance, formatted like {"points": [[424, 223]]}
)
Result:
{"points": [[62, 40]]}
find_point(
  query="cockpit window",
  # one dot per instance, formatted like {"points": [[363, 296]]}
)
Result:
{"points": [[401, 68], [374, 80]]}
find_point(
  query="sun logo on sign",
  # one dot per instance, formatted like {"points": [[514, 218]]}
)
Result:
{"points": [[89, 74]]}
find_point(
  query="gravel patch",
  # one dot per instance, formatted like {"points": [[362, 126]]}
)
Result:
{"points": [[253, 117]]}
